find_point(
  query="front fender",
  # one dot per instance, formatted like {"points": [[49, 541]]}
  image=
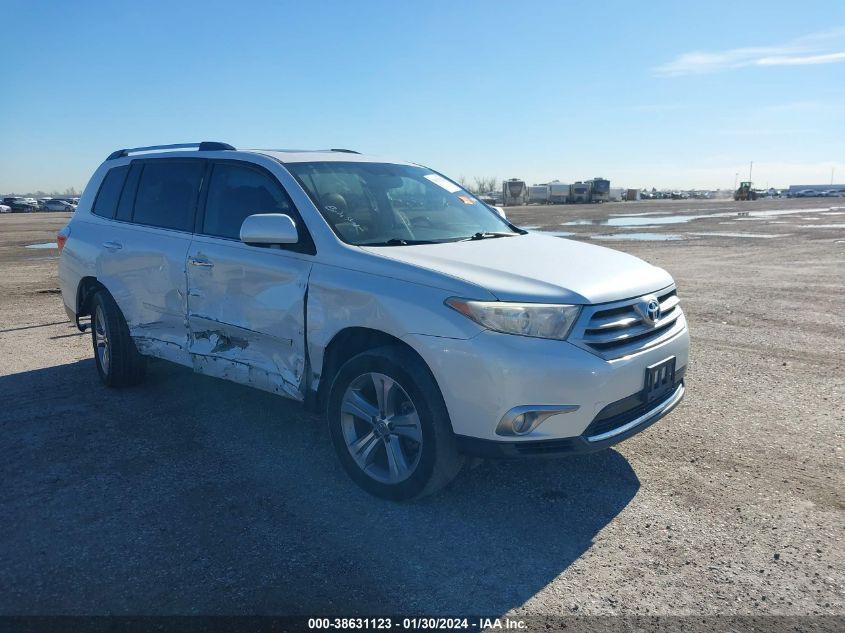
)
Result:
{"points": [[340, 298]]}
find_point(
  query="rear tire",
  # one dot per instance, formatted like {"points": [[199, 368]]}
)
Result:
{"points": [[390, 427], [118, 361]]}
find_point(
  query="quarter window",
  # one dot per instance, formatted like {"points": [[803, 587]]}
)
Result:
{"points": [[167, 193], [236, 192], [106, 201]]}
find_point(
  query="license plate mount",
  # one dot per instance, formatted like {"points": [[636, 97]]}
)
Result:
{"points": [[659, 379]]}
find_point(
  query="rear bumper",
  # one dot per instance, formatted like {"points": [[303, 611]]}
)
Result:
{"points": [[603, 432]]}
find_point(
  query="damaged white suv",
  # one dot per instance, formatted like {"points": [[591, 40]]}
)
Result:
{"points": [[418, 319]]}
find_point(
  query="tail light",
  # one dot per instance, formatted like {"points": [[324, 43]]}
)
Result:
{"points": [[61, 237]]}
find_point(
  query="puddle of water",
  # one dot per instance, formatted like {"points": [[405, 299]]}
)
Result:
{"points": [[727, 234], [640, 237], [640, 221], [557, 233], [42, 245], [634, 215], [633, 221], [528, 227], [756, 220], [822, 226], [833, 213]]}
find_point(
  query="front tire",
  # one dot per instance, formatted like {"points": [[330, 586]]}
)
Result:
{"points": [[390, 427], [118, 361]]}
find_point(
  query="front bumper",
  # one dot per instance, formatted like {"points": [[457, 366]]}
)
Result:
{"points": [[628, 424], [485, 377]]}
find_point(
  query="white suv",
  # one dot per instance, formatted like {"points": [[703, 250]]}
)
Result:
{"points": [[421, 322]]}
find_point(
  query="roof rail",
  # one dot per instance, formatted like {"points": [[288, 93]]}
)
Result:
{"points": [[205, 146], [345, 151]]}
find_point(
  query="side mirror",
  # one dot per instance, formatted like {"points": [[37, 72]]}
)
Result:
{"points": [[269, 228]]}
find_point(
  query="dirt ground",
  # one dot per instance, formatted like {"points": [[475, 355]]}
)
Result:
{"points": [[190, 495]]}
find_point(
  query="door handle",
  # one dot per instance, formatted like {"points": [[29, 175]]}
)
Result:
{"points": [[199, 261], [113, 246]]}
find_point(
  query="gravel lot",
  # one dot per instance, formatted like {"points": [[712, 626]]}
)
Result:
{"points": [[192, 495]]}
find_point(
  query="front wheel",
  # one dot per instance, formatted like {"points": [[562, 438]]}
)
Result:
{"points": [[390, 427]]}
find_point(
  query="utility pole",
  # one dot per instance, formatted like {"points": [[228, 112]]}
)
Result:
{"points": [[750, 167], [832, 169], [736, 175]]}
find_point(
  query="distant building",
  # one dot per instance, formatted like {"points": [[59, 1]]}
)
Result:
{"points": [[794, 189]]}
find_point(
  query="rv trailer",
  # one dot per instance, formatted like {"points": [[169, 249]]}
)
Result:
{"points": [[514, 192]]}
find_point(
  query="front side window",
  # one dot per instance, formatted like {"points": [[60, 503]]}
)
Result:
{"points": [[237, 191], [369, 204], [167, 193]]}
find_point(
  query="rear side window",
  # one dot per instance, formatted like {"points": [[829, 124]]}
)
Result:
{"points": [[105, 204], [167, 193], [237, 191]]}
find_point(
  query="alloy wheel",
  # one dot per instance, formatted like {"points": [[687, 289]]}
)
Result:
{"points": [[381, 428], [101, 339]]}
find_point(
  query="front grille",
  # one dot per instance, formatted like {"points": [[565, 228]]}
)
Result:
{"points": [[614, 330]]}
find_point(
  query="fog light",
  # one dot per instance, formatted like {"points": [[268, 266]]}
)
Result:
{"points": [[522, 423], [522, 420]]}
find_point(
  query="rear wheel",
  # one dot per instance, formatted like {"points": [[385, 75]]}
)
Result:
{"points": [[390, 427], [118, 361]]}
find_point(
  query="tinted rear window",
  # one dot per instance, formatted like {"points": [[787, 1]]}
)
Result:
{"points": [[106, 202], [127, 198], [167, 193]]}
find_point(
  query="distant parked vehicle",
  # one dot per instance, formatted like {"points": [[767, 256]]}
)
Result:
{"points": [[806, 193], [539, 194], [5, 208], [19, 204], [59, 205], [558, 192], [514, 192], [42, 201]]}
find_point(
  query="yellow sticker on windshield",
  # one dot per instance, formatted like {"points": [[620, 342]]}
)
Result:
{"points": [[466, 199]]}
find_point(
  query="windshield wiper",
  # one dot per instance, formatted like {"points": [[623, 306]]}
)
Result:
{"points": [[487, 234], [396, 241]]}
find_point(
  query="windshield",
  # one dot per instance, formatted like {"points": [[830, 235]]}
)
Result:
{"points": [[395, 205]]}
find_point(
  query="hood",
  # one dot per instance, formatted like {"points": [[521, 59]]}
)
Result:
{"points": [[536, 268]]}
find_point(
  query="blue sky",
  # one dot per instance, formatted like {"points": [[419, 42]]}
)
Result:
{"points": [[664, 94]]}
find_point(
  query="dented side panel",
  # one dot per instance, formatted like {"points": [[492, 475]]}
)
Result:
{"points": [[144, 270], [340, 298], [246, 314]]}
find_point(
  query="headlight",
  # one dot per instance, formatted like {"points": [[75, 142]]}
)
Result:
{"points": [[541, 320]]}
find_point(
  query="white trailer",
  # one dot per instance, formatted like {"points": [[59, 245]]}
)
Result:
{"points": [[616, 194], [514, 192], [538, 194], [558, 192]]}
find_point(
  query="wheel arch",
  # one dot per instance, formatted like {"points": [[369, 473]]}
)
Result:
{"points": [[345, 344], [85, 290]]}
